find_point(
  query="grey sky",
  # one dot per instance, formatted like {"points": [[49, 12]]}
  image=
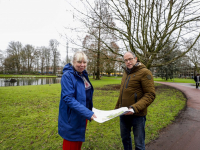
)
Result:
{"points": [[33, 22]]}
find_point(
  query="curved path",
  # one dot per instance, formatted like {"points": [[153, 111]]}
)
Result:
{"points": [[184, 133]]}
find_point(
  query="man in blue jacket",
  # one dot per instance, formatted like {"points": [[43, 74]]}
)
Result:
{"points": [[76, 103]]}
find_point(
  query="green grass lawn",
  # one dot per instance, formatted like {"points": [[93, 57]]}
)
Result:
{"points": [[177, 80], [29, 116]]}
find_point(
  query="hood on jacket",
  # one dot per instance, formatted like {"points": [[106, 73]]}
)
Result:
{"points": [[69, 67]]}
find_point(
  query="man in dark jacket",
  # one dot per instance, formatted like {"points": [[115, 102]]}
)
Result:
{"points": [[196, 79], [137, 92]]}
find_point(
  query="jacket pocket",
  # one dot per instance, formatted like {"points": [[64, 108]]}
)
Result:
{"points": [[69, 115], [74, 120], [135, 97]]}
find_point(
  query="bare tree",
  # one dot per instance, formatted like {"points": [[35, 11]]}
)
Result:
{"points": [[47, 55], [37, 59], [97, 32], [166, 71], [109, 66], [1, 61], [42, 54], [53, 47], [14, 49], [145, 27], [9, 64], [30, 53], [194, 57], [23, 61]]}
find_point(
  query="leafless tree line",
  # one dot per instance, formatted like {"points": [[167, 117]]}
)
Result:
{"points": [[29, 59]]}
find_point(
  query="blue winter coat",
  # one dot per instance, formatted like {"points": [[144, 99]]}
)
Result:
{"points": [[72, 109]]}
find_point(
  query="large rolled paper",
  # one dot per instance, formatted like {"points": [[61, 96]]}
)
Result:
{"points": [[105, 115]]}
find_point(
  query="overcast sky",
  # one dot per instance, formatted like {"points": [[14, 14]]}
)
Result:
{"points": [[33, 22]]}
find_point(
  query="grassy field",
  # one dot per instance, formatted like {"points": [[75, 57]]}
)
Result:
{"points": [[29, 116], [177, 80]]}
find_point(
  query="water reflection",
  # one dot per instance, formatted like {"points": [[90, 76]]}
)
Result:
{"points": [[29, 81]]}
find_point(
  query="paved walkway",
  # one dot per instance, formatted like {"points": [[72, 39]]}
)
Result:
{"points": [[184, 133]]}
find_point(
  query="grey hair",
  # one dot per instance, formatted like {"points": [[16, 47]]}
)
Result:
{"points": [[79, 56], [131, 53]]}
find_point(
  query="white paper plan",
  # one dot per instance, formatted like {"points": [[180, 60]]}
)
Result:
{"points": [[105, 115]]}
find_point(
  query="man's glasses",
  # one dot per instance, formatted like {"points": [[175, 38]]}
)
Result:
{"points": [[129, 59]]}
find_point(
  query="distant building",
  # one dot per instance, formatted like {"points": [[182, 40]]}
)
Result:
{"points": [[49, 70]]}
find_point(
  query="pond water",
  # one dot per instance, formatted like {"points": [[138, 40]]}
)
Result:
{"points": [[28, 81]]}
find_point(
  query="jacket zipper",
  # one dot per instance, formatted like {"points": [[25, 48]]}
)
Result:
{"points": [[127, 82]]}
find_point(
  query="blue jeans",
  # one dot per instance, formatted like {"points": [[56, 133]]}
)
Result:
{"points": [[138, 124]]}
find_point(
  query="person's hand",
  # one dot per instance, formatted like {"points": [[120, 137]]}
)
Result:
{"points": [[93, 116], [129, 112]]}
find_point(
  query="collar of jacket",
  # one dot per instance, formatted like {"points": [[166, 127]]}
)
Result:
{"points": [[84, 73], [135, 67]]}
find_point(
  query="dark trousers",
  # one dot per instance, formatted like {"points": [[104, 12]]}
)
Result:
{"points": [[197, 85], [138, 125]]}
